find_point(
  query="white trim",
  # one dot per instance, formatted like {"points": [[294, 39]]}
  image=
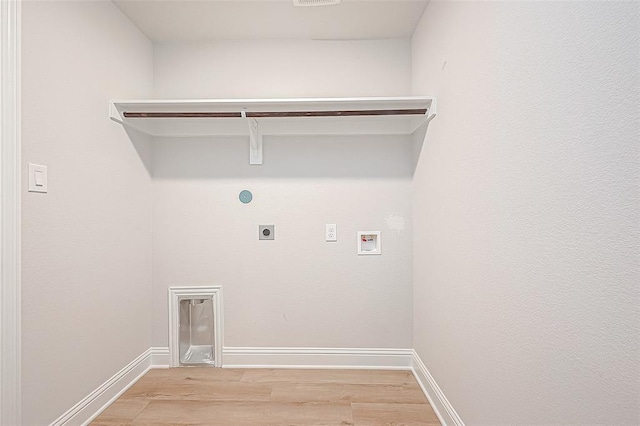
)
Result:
{"points": [[160, 357], [97, 401], [190, 292], [234, 126], [439, 402], [10, 171], [358, 358], [378, 101]]}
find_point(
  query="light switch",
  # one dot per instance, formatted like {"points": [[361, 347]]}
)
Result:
{"points": [[37, 178]]}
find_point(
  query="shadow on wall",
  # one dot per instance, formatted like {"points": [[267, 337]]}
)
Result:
{"points": [[418, 139], [286, 157], [143, 146]]}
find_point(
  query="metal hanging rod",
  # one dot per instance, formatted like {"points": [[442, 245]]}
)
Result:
{"points": [[275, 114]]}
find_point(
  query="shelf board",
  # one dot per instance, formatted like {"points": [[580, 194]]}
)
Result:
{"points": [[313, 116]]}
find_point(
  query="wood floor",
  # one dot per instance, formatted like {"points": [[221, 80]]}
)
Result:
{"points": [[214, 396]]}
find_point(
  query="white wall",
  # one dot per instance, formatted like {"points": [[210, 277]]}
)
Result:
{"points": [[87, 242], [526, 204], [282, 68], [297, 290]]}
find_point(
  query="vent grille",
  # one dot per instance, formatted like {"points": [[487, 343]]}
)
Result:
{"points": [[315, 2]]}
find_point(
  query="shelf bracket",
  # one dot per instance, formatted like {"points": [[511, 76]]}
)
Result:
{"points": [[433, 110], [255, 140], [114, 114]]}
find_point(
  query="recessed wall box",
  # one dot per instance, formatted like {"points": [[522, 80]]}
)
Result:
{"points": [[195, 326], [369, 242]]}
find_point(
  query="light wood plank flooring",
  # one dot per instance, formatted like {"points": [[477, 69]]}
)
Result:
{"points": [[214, 396]]}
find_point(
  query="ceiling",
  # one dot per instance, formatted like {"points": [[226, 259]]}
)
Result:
{"points": [[199, 20]]}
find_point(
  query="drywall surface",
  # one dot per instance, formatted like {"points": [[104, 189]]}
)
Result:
{"points": [[86, 259], [526, 210], [282, 68], [297, 290]]}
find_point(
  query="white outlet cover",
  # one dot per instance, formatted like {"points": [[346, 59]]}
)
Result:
{"points": [[37, 178], [331, 232]]}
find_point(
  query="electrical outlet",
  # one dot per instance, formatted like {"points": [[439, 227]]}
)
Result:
{"points": [[331, 232], [266, 232]]}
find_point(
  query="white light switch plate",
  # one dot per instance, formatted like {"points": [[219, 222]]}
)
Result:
{"points": [[37, 178]]}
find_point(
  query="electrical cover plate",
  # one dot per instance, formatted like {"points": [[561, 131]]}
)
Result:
{"points": [[266, 232], [38, 178]]}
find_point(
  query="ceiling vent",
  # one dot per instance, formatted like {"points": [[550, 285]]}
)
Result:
{"points": [[315, 2]]}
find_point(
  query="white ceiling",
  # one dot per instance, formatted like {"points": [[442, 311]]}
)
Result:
{"points": [[189, 20]]}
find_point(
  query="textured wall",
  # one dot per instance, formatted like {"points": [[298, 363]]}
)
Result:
{"points": [[282, 68], [297, 290], [86, 259], [526, 210]]}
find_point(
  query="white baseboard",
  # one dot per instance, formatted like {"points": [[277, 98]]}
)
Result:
{"points": [[439, 402], [159, 357], [338, 358], [388, 359], [93, 404]]}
